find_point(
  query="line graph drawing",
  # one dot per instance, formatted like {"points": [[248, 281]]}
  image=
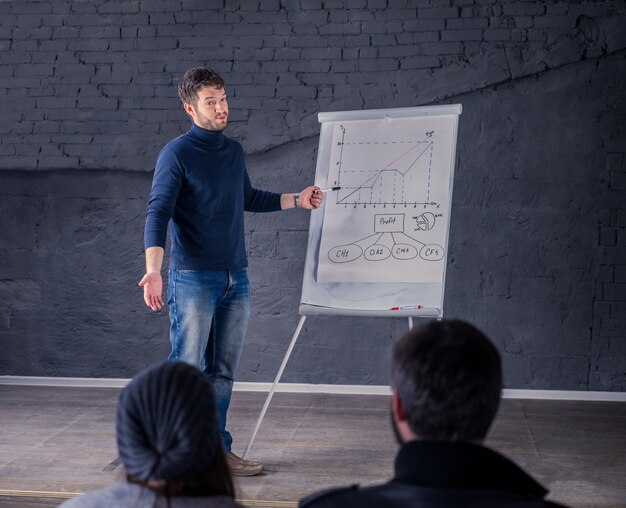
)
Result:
{"points": [[385, 173]]}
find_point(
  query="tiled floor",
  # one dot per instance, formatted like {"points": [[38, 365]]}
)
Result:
{"points": [[58, 441]]}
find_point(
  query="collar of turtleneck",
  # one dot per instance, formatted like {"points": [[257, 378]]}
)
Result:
{"points": [[213, 139]]}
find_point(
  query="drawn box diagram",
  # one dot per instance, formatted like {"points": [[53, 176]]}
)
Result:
{"points": [[389, 223], [389, 239]]}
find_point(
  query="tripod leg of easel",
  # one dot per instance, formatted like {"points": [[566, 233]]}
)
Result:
{"points": [[278, 376], [410, 322]]}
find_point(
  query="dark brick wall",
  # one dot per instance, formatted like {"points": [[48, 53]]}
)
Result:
{"points": [[538, 234]]}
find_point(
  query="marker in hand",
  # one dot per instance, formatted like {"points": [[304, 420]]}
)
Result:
{"points": [[328, 189]]}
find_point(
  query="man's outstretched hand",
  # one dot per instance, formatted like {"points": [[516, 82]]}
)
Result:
{"points": [[310, 198], [152, 284]]}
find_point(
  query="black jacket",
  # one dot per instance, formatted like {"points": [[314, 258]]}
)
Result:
{"points": [[432, 474]]}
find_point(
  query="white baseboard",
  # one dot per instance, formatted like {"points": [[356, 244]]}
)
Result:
{"points": [[69, 382], [582, 395], [244, 386]]}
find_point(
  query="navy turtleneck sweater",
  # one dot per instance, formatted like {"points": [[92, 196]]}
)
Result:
{"points": [[201, 187]]}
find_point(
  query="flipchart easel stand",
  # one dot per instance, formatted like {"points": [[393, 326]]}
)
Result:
{"points": [[445, 119], [294, 339]]}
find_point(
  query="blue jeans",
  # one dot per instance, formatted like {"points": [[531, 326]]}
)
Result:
{"points": [[209, 313]]}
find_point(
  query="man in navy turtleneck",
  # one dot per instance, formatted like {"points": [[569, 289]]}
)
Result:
{"points": [[201, 189]]}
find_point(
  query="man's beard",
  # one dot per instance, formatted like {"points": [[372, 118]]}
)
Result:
{"points": [[207, 124], [215, 128]]}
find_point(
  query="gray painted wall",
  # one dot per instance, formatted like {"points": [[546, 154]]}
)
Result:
{"points": [[538, 233]]}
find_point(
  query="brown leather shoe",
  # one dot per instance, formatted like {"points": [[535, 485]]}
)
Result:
{"points": [[241, 467]]}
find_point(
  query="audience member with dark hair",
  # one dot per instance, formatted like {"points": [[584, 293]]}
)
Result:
{"points": [[169, 441], [447, 381]]}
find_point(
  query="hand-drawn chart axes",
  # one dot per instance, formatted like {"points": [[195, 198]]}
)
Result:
{"points": [[389, 239], [387, 180]]}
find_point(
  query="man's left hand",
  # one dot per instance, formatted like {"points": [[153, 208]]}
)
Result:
{"points": [[311, 198]]}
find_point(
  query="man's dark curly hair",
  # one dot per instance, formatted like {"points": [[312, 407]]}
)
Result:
{"points": [[195, 79], [448, 377]]}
